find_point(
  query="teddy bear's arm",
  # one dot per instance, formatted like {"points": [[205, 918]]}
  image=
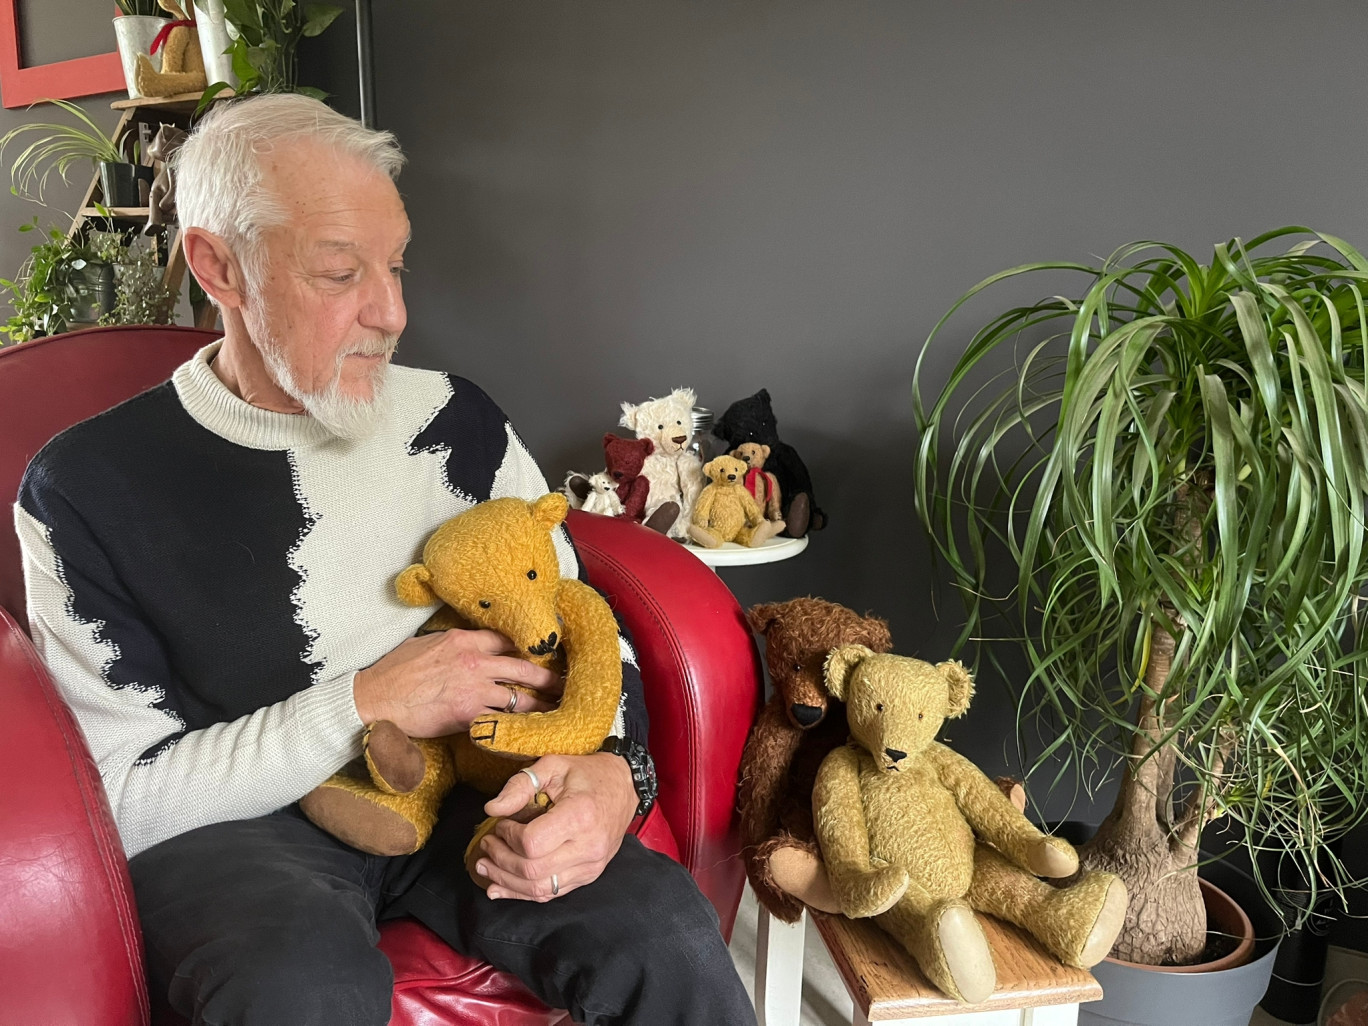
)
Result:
{"points": [[861, 889], [765, 768], [775, 498], [703, 509], [996, 820], [754, 515], [634, 505]]}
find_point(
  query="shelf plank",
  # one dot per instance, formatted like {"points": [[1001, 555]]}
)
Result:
{"points": [[179, 103], [130, 213]]}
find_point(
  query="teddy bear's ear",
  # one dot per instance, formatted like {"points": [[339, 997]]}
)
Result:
{"points": [[760, 617], [839, 662], [414, 587], [628, 416], [647, 446], [961, 687], [550, 510], [609, 438], [873, 631], [764, 452], [686, 394]]}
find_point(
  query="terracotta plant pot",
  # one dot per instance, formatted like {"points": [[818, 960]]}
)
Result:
{"points": [[1224, 917]]}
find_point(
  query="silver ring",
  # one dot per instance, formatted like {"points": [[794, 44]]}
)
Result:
{"points": [[555, 885], [512, 701], [536, 784]]}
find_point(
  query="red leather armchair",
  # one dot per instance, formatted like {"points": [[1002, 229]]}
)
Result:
{"points": [[70, 946]]}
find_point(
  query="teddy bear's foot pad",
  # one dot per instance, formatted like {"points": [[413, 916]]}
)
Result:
{"points": [[1102, 937], [968, 960], [396, 764], [363, 824], [801, 873]]}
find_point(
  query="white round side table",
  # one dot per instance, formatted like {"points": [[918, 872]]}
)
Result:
{"points": [[731, 554]]}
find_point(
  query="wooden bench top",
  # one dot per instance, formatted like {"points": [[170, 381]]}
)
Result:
{"points": [[885, 983]]}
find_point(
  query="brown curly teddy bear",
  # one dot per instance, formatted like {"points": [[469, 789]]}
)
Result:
{"points": [[726, 512], [799, 725], [494, 566], [914, 835]]}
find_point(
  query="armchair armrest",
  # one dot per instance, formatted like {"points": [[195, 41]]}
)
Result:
{"points": [[70, 939], [703, 686]]}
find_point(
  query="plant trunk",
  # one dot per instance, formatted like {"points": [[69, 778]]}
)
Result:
{"points": [[1140, 843]]}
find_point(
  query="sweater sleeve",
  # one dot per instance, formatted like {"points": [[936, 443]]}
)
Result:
{"points": [[114, 672], [519, 475]]}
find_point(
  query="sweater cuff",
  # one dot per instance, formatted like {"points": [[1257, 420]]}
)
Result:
{"points": [[325, 713]]}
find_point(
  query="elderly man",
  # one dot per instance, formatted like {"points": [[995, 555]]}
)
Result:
{"points": [[209, 571]]}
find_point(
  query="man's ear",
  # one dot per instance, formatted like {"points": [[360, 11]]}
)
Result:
{"points": [[414, 587], [961, 688], [840, 661], [215, 267]]}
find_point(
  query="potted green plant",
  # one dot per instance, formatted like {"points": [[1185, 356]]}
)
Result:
{"points": [[265, 44], [135, 29], [1154, 484], [56, 147], [64, 282]]}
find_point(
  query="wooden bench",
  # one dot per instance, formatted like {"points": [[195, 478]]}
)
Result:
{"points": [[887, 987]]}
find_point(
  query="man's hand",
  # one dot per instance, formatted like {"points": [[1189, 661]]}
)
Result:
{"points": [[437, 684], [593, 802]]}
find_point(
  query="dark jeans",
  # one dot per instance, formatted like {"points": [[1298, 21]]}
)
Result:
{"points": [[271, 922]]}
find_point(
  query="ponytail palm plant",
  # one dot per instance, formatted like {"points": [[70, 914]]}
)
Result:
{"points": [[1172, 467]]}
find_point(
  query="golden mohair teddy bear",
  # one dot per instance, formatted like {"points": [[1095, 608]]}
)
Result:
{"points": [[182, 67], [495, 567], [917, 837], [759, 481], [725, 511]]}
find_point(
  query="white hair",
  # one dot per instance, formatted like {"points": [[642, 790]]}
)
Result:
{"points": [[219, 178]]}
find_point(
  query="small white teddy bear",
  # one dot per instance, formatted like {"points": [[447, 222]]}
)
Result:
{"points": [[674, 473], [602, 496]]}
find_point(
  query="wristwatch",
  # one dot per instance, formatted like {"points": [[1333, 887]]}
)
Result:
{"points": [[642, 767]]}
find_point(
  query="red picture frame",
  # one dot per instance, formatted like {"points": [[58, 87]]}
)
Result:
{"points": [[84, 76]]}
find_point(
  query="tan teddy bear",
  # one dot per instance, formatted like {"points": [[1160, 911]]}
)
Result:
{"points": [[725, 511], [760, 482], [494, 566], [916, 836]]}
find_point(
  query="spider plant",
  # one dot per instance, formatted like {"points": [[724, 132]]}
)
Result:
{"points": [[1172, 466], [56, 147]]}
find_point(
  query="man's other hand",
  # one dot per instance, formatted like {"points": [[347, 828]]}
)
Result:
{"points": [[436, 684], [592, 804]]}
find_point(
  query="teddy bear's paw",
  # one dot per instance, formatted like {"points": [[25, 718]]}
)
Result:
{"points": [[1099, 899], [801, 873], [704, 537], [968, 959], [396, 764], [663, 518], [874, 892], [1053, 857]]}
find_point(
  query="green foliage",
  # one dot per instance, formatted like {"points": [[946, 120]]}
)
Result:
{"points": [[56, 148], [1181, 446], [265, 58], [139, 295]]}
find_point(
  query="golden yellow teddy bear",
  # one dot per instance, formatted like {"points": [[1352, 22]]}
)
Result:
{"points": [[725, 511], [917, 837], [495, 567]]}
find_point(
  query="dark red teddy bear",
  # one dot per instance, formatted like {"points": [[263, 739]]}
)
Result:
{"points": [[624, 458]]}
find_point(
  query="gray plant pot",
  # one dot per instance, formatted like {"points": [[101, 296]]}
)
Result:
{"points": [[1143, 997]]}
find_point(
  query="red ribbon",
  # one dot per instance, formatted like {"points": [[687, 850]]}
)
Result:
{"points": [[166, 31]]}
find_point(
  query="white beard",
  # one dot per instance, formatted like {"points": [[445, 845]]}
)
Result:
{"points": [[344, 416]]}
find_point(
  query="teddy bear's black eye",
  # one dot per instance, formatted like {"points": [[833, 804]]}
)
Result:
{"points": [[484, 604], [878, 707], [797, 667], [919, 715], [531, 575]]}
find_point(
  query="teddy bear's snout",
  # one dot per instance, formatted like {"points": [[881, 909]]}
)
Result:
{"points": [[806, 715], [895, 756], [544, 647], [680, 439], [731, 477]]}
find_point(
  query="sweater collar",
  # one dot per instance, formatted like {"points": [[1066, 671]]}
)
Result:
{"points": [[210, 402]]}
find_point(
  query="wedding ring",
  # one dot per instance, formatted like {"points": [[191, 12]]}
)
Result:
{"points": [[512, 701], [555, 885], [536, 784]]}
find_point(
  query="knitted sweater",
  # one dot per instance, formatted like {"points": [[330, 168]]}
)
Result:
{"points": [[206, 577]]}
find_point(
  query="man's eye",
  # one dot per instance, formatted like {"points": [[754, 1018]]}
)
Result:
{"points": [[398, 270], [344, 278]]}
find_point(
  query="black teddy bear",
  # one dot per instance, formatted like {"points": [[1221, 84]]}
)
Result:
{"points": [[752, 420]]}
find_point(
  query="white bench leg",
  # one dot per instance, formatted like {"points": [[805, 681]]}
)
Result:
{"points": [[778, 970]]}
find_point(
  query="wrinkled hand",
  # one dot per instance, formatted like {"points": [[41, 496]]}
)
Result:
{"points": [[436, 684], [593, 802]]}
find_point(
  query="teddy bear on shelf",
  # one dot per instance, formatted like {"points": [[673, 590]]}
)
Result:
{"points": [[752, 420], [795, 730], [726, 512], [182, 67], [760, 482], [624, 459], [675, 474], [493, 567], [917, 837], [603, 496]]}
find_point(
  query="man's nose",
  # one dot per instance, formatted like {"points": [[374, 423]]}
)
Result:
{"points": [[384, 309]]}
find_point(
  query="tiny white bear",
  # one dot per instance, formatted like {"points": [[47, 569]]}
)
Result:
{"points": [[602, 496]]}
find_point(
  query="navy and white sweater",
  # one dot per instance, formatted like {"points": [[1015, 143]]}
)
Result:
{"points": [[206, 577]]}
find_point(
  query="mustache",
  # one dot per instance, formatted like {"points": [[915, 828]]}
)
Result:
{"points": [[382, 345]]}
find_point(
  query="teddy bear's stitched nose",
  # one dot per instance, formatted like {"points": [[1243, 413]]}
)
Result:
{"points": [[731, 477], [895, 755], [680, 440], [545, 646], [806, 715]]}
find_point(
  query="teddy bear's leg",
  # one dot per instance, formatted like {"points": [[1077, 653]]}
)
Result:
{"points": [[761, 533], [797, 517], [664, 518], [795, 868], [1078, 923], [396, 762], [351, 808], [704, 537], [948, 944]]}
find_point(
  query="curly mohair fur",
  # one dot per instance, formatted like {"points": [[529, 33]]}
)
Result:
{"points": [[674, 473], [779, 766]]}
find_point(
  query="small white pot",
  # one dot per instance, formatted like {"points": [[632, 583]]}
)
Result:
{"points": [[214, 37], [135, 33]]}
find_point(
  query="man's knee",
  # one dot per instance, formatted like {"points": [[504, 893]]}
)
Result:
{"points": [[301, 973]]}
